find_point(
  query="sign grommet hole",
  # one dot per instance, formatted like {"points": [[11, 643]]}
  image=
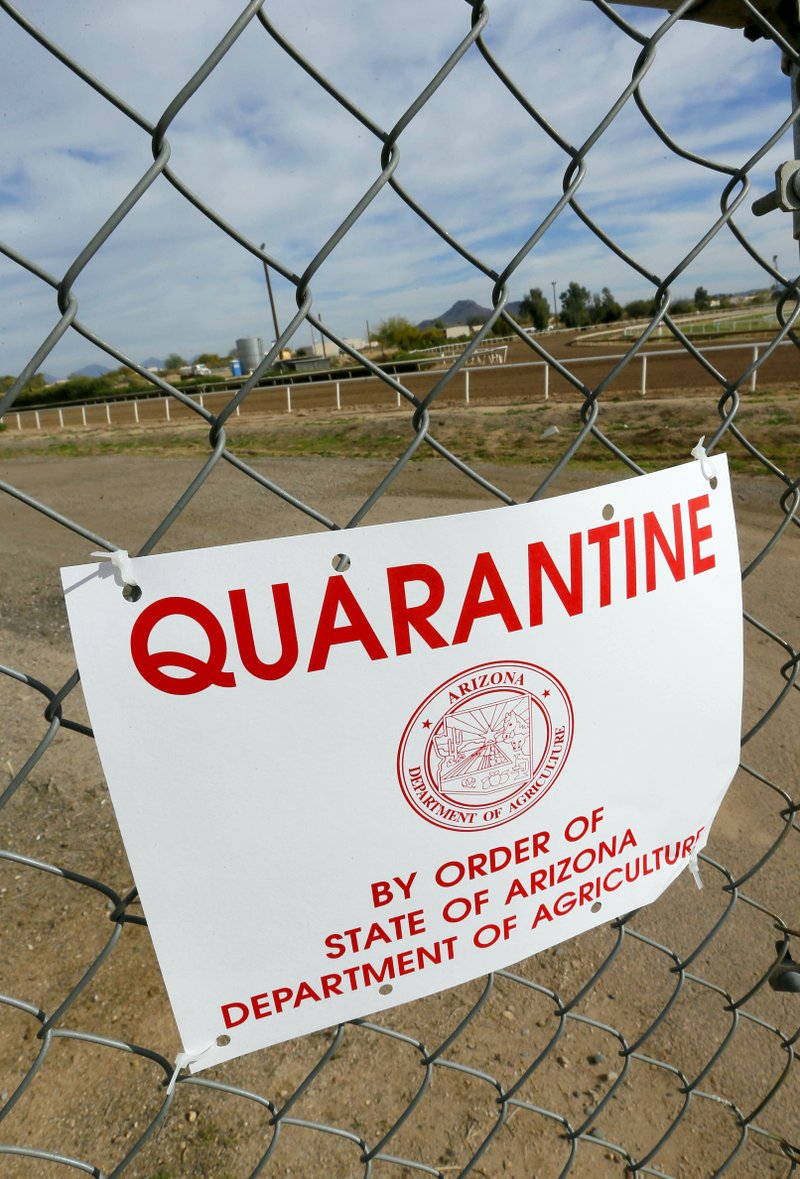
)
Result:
{"points": [[386, 989], [131, 593], [341, 562], [223, 1041], [714, 482], [608, 512], [597, 906]]}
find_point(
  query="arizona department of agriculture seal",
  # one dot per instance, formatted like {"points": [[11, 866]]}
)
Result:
{"points": [[486, 745]]}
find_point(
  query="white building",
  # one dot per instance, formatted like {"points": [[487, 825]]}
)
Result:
{"points": [[460, 330]]}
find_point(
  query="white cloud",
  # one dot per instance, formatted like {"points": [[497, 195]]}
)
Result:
{"points": [[275, 155]]}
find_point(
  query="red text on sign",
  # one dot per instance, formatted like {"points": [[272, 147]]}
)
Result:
{"points": [[657, 551]]}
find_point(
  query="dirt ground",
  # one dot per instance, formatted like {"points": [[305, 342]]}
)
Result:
{"points": [[559, 1026]]}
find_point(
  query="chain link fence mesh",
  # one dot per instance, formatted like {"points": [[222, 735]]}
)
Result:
{"points": [[662, 1044]]}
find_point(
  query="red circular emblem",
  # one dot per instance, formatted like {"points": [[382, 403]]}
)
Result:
{"points": [[485, 746]]}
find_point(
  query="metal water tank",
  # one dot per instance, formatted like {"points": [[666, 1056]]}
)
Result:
{"points": [[250, 350]]}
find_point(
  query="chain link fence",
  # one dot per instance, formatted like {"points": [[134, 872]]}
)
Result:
{"points": [[662, 1044]]}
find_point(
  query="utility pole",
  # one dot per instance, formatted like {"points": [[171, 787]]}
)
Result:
{"points": [[271, 298], [555, 311]]}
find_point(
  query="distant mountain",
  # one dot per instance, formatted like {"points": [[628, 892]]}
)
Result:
{"points": [[465, 311], [91, 370], [462, 311], [153, 362]]}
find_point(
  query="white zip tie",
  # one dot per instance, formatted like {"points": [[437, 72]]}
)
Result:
{"points": [[694, 868], [122, 563], [706, 466], [183, 1060]]}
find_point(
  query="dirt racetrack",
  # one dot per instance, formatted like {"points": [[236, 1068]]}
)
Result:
{"points": [[521, 379], [614, 1034]]}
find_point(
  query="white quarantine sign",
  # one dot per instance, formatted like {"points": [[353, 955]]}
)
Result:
{"points": [[357, 768]]}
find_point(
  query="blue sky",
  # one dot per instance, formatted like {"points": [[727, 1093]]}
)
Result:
{"points": [[279, 159]]}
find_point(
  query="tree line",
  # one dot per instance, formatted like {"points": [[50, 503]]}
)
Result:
{"points": [[580, 307], [82, 388]]}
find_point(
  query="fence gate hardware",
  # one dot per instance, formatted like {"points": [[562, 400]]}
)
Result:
{"points": [[783, 15], [786, 194]]}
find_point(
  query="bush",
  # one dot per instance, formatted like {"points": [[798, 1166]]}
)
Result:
{"points": [[397, 332]]}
